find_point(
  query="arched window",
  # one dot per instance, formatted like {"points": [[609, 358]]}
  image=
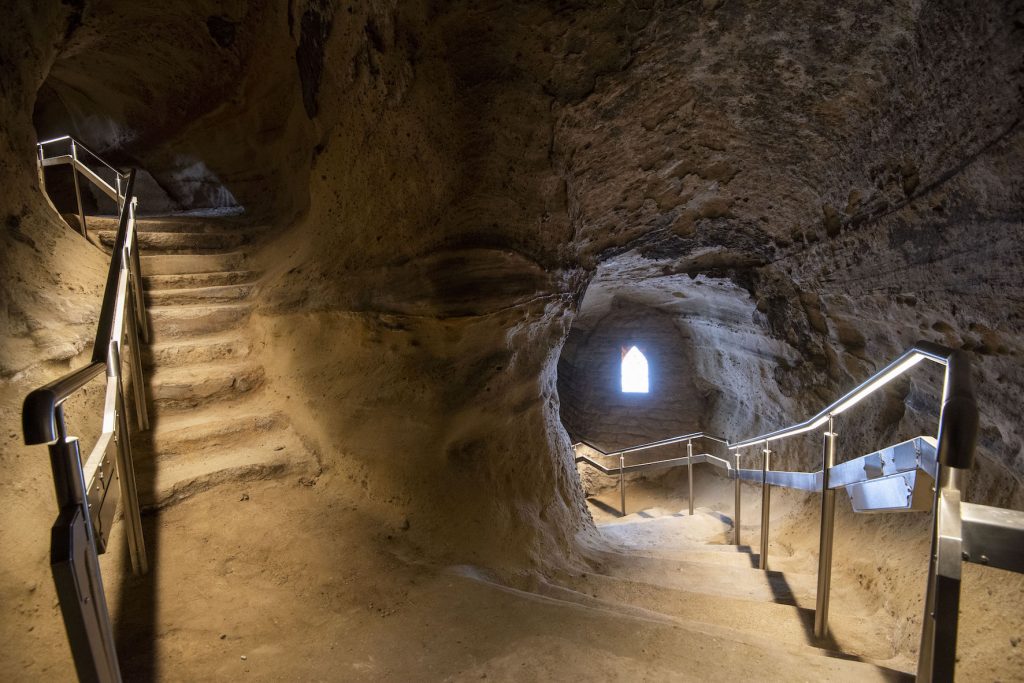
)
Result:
{"points": [[634, 372]]}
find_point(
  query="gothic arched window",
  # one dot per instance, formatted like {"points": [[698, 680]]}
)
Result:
{"points": [[634, 372]]}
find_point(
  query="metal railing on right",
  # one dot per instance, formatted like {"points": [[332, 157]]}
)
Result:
{"points": [[922, 474], [87, 495]]}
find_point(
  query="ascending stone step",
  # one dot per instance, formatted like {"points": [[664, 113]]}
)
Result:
{"points": [[170, 322], [191, 432], [190, 351], [254, 455], [178, 264], [194, 385], [179, 242], [153, 283], [198, 295], [191, 224]]}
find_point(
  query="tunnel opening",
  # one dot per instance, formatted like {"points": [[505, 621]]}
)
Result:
{"points": [[84, 97]]}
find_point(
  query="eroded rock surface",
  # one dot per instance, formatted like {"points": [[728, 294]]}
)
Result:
{"points": [[795, 191]]}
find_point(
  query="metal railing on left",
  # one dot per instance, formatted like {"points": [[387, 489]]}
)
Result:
{"points": [[66, 150], [87, 495]]}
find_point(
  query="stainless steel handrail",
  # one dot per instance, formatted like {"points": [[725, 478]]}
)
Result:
{"points": [[908, 359], [78, 167], [80, 144], [86, 495], [960, 531]]}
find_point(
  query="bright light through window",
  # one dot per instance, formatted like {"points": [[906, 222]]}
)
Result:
{"points": [[634, 372]]}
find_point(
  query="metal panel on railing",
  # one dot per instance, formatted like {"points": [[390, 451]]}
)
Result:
{"points": [[916, 453]]}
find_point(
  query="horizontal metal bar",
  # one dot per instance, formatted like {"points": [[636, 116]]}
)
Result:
{"points": [[38, 420], [80, 144], [63, 159], [804, 481], [666, 442], [993, 536], [90, 175], [717, 462], [641, 466], [52, 140], [916, 453]]}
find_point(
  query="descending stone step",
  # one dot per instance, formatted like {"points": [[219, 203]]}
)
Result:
{"points": [[713, 652], [179, 264], [729, 581], [784, 624], [205, 349], [178, 242], [152, 283], [195, 385], [199, 295], [178, 321]]}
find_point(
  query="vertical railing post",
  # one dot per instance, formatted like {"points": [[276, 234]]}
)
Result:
{"points": [[958, 432], [766, 500], [135, 270], [42, 169], [76, 568], [138, 381], [78, 190], [739, 491], [126, 469], [827, 532], [689, 471], [622, 482]]}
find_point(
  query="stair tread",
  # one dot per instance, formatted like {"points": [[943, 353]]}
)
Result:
{"points": [[189, 386], [208, 348], [168, 480], [173, 223], [210, 293], [191, 264], [158, 283], [857, 633]]}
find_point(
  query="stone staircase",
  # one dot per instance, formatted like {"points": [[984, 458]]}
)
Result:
{"points": [[678, 569], [210, 420]]}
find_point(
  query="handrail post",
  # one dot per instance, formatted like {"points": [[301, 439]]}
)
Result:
{"points": [[126, 469], [689, 471], [827, 532], [138, 385], [958, 431], [75, 566], [766, 500], [622, 481], [78, 190], [42, 169], [739, 491]]}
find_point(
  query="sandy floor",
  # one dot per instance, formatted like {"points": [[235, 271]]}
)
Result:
{"points": [[331, 601]]}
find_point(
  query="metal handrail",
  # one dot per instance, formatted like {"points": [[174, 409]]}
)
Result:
{"points": [[118, 194], [86, 495], [93, 154], [908, 359], [960, 531]]}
